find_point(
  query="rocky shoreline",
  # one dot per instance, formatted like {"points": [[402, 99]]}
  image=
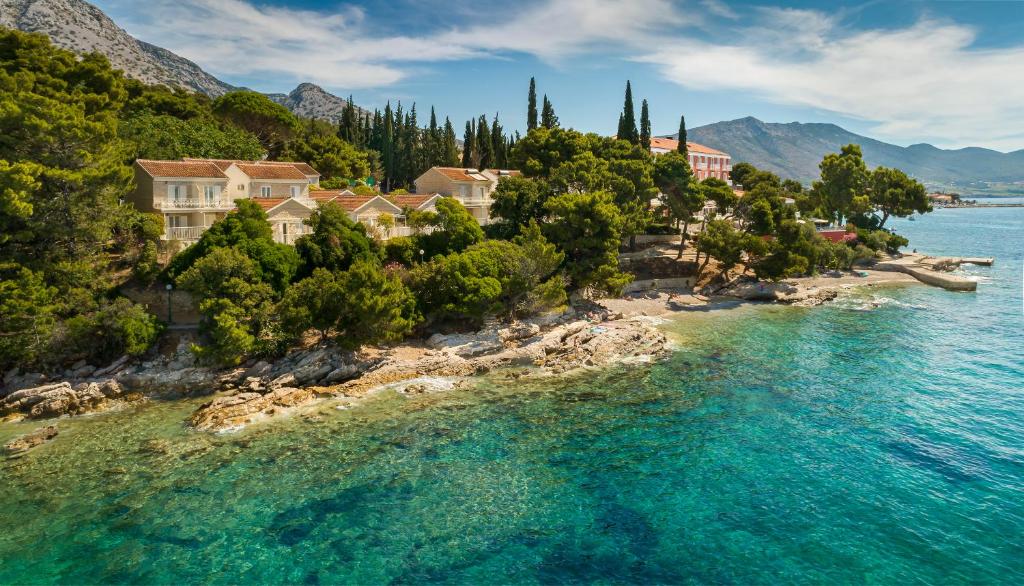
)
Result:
{"points": [[259, 390]]}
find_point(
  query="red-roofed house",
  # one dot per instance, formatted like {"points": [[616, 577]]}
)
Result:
{"points": [[471, 187], [705, 161]]}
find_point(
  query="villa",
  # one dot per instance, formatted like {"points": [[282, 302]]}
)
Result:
{"points": [[192, 194], [705, 161], [473, 188]]}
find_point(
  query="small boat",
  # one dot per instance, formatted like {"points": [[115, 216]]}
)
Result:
{"points": [[912, 219]]}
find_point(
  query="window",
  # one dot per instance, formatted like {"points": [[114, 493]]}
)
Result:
{"points": [[176, 192], [296, 191], [177, 221], [211, 193], [464, 190], [265, 191]]}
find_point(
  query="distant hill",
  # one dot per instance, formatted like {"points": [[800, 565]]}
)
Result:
{"points": [[81, 27], [794, 150], [312, 101]]}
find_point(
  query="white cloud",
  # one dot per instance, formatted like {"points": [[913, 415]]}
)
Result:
{"points": [[238, 37], [922, 81]]}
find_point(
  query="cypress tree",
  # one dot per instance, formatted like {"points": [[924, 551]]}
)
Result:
{"points": [[531, 107], [498, 147], [450, 150], [627, 122], [645, 127], [468, 145], [433, 140], [387, 152], [682, 136], [484, 146], [547, 116]]}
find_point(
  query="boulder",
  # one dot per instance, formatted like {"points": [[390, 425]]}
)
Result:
{"points": [[24, 443], [235, 410]]}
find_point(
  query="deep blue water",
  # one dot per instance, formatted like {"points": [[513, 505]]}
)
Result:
{"points": [[879, 439]]}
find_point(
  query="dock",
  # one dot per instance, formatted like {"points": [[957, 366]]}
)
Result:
{"points": [[933, 270]]}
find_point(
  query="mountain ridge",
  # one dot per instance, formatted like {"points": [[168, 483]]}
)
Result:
{"points": [[794, 149]]}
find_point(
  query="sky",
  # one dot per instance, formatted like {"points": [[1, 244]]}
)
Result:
{"points": [[949, 73]]}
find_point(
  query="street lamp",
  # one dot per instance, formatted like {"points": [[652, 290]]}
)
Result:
{"points": [[421, 256], [169, 287]]}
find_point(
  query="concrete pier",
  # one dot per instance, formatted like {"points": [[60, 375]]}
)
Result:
{"points": [[933, 270]]}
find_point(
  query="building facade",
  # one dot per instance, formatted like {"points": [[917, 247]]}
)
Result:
{"points": [[704, 161], [473, 188]]}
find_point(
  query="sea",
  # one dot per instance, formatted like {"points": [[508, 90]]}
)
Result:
{"points": [[877, 439]]}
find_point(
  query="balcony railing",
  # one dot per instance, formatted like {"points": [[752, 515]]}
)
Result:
{"points": [[194, 204], [184, 233], [475, 201]]}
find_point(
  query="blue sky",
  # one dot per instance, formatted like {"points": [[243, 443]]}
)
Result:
{"points": [[950, 73]]}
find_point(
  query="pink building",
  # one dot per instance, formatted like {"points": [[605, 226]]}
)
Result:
{"points": [[705, 161]]}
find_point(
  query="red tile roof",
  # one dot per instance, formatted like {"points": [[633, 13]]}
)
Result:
{"points": [[263, 171], [671, 144], [268, 203], [411, 200], [351, 203], [194, 169], [302, 167], [223, 164]]}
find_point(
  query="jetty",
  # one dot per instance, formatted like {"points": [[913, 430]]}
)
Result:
{"points": [[935, 270]]}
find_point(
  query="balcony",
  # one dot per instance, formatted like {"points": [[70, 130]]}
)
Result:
{"points": [[184, 233], [194, 204]]}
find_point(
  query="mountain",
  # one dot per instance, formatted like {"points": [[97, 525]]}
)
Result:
{"points": [[794, 150], [312, 101], [81, 27]]}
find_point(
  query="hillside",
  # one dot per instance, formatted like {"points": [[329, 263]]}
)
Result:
{"points": [[795, 149], [79, 26]]}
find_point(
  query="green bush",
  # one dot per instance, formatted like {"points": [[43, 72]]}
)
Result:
{"points": [[402, 250]]}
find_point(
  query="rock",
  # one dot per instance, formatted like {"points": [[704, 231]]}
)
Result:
{"points": [[312, 372], [259, 369], [286, 379], [22, 444], [83, 371], [25, 399], [113, 367], [234, 410], [78, 364], [342, 373]]}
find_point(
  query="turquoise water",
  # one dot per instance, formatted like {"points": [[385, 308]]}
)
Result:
{"points": [[879, 439]]}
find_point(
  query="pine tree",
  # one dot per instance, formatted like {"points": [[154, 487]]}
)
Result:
{"points": [[627, 122], [468, 145], [645, 127], [450, 150], [484, 146], [531, 107], [682, 136], [547, 117]]}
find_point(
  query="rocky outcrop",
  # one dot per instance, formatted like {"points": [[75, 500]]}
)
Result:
{"points": [[561, 348], [24, 443], [788, 292], [56, 399], [312, 101]]}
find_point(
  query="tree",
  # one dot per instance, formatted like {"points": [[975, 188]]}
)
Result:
{"points": [[843, 187], [457, 228], [28, 316], [722, 242], [531, 106], [247, 230], [547, 118], [587, 227], [379, 308], [450, 151], [469, 150], [627, 121], [335, 241], [682, 195], [484, 146], [544, 149], [739, 173], [349, 128], [893, 193], [645, 127], [718, 191], [683, 149], [235, 303], [58, 130], [270, 122], [518, 200], [166, 137], [328, 154]]}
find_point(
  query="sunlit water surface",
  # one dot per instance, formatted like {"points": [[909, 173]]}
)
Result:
{"points": [[878, 439]]}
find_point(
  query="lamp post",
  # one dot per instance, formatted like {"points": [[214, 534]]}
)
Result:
{"points": [[421, 256], [169, 318]]}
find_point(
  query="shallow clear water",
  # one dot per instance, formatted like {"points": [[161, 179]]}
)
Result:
{"points": [[879, 439]]}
